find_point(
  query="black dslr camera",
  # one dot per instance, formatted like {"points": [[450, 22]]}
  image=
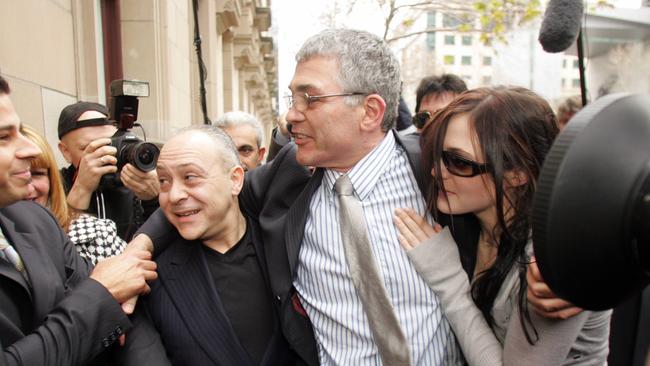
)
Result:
{"points": [[130, 148]]}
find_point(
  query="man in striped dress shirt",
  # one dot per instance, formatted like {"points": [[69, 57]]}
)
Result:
{"points": [[343, 105], [342, 110]]}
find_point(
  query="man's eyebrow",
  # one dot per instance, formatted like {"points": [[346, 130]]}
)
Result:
{"points": [[182, 166], [9, 127], [303, 87], [192, 165]]}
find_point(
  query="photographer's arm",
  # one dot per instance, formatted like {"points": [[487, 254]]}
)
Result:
{"points": [[144, 185], [98, 159]]}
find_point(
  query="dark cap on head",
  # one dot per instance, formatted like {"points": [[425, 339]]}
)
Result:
{"points": [[70, 114]]}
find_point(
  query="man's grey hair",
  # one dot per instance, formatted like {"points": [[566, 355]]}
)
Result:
{"points": [[238, 118], [366, 64], [224, 145]]}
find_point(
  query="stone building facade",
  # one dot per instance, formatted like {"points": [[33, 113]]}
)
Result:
{"points": [[55, 52]]}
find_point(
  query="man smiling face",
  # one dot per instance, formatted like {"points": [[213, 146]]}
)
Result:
{"points": [[16, 154], [199, 185]]}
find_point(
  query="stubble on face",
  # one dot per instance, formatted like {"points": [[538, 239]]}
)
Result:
{"points": [[16, 154]]}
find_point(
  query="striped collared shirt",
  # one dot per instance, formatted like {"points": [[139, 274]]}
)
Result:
{"points": [[383, 181]]}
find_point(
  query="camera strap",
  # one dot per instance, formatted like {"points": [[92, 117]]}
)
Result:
{"points": [[101, 208]]}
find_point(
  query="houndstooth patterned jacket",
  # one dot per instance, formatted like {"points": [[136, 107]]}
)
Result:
{"points": [[95, 239]]}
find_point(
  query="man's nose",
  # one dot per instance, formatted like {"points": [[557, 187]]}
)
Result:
{"points": [[293, 117], [26, 149], [177, 193]]}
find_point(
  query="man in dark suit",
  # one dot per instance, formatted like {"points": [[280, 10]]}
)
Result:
{"points": [[211, 303], [343, 107], [51, 311]]}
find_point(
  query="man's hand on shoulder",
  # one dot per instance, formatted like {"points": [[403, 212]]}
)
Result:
{"points": [[144, 185]]}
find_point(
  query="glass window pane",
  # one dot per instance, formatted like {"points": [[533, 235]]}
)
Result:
{"points": [[450, 39]]}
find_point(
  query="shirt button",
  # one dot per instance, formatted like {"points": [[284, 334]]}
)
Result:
{"points": [[278, 298]]}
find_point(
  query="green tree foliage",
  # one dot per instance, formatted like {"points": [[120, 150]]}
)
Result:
{"points": [[491, 18]]}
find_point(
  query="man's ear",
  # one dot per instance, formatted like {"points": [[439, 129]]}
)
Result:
{"points": [[261, 152], [374, 106], [65, 152], [237, 179], [515, 178]]}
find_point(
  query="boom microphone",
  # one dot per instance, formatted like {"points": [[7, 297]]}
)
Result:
{"points": [[561, 25]]}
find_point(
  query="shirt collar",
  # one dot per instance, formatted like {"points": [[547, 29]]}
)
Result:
{"points": [[366, 172]]}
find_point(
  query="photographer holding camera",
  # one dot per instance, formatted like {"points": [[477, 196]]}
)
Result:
{"points": [[87, 141]]}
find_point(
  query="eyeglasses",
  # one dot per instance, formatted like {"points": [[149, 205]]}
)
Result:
{"points": [[421, 118], [459, 166], [301, 101]]}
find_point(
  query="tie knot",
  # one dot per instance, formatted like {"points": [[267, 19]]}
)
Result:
{"points": [[343, 186]]}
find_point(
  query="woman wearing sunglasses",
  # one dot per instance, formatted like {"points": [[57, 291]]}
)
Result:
{"points": [[485, 152]]}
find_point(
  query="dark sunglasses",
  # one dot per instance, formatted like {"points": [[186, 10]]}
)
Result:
{"points": [[459, 166], [421, 118]]}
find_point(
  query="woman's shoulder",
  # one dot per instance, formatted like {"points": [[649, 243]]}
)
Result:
{"points": [[95, 238]]}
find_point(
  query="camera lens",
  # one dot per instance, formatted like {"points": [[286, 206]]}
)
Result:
{"points": [[143, 155]]}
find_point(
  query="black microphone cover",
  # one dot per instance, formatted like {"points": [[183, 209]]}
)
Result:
{"points": [[561, 25], [289, 127]]}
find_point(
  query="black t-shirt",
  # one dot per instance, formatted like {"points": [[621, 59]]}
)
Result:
{"points": [[243, 291]]}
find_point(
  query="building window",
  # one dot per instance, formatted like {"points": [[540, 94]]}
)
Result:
{"points": [[563, 83], [467, 40], [450, 39], [564, 63], [466, 60], [450, 21], [575, 83], [487, 80], [431, 36], [431, 41], [449, 59], [487, 61], [576, 64], [431, 19]]}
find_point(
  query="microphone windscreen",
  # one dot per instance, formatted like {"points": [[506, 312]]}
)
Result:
{"points": [[561, 25], [289, 127]]}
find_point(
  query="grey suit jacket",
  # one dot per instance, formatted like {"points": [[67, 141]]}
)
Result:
{"points": [[61, 317]]}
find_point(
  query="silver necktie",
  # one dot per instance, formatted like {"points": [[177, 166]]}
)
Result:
{"points": [[8, 253], [385, 327]]}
